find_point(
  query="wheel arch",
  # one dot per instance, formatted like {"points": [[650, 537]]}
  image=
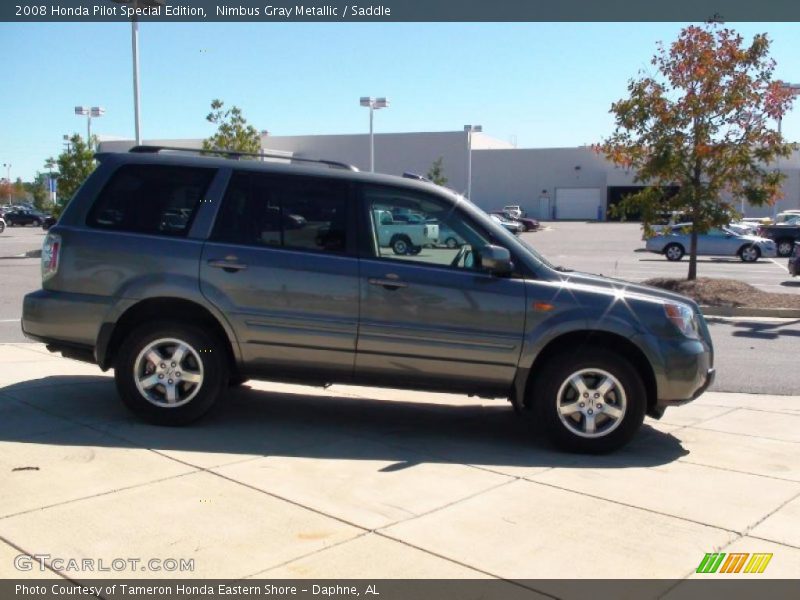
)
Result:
{"points": [[604, 340], [112, 334]]}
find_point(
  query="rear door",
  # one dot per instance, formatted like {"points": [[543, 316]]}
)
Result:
{"points": [[431, 317], [281, 265]]}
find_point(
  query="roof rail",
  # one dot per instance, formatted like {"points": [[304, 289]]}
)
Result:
{"points": [[236, 154], [410, 175]]}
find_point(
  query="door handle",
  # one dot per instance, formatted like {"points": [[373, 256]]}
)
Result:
{"points": [[227, 264], [389, 284]]}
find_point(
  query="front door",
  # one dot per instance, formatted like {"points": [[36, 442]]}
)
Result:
{"points": [[281, 265], [430, 317]]}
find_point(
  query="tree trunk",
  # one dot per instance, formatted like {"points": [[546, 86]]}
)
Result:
{"points": [[693, 256]]}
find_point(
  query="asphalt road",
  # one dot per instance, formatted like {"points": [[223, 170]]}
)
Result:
{"points": [[617, 250], [752, 355]]}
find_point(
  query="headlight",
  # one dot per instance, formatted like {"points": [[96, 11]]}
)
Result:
{"points": [[683, 318]]}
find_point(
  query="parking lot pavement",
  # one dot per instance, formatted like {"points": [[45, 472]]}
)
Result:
{"points": [[617, 250], [299, 482]]}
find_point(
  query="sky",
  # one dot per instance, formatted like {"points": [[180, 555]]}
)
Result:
{"points": [[534, 84]]}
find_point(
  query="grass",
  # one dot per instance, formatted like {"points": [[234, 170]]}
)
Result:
{"points": [[726, 292]]}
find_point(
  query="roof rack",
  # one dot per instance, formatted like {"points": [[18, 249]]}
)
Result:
{"points": [[236, 154]]}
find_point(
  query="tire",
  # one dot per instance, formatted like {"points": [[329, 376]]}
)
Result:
{"points": [[785, 247], [555, 394], [749, 253], [451, 243], [36, 223], [400, 244], [674, 252], [204, 357], [2, 227]]}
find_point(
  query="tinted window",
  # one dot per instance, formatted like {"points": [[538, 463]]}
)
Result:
{"points": [[412, 227], [288, 212], [155, 199]]}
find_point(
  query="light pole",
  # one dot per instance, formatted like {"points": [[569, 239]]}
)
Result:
{"points": [[8, 179], [95, 111], [373, 104], [470, 129], [135, 55]]}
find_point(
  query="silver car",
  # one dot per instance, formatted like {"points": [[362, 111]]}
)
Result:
{"points": [[716, 242]]}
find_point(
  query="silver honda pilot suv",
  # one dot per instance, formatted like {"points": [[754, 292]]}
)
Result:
{"points": [[188, 274]]}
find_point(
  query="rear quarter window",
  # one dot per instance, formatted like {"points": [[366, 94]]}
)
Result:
{"points": [[151, 199]]}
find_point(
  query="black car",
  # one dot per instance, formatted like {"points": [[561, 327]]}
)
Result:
{"points": [[23, 217], [48, 222]]}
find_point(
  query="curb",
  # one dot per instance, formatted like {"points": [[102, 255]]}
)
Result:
{"points": [[29, 254], [745, 311]]}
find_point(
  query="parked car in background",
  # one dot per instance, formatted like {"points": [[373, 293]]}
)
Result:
{"points": [[514, 211], [2, 225], [182, 315], [48, 222], [785, 215], [794, 261], [449, 238], [743, 228], [784, 235], [404, 237], [716, 242], [23, 218], [513, 226]]}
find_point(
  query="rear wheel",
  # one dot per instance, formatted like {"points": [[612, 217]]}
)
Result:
{"points": [[749, 253], [170, 374], [401, 244], [785, 247], [674, 252], [451, 243], [591, 402]]}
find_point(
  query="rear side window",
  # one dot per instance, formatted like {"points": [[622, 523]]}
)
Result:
{"points": [[154, 199], [284, 212]]}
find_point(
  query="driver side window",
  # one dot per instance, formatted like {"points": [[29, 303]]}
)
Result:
{"points": [[413, 227]]}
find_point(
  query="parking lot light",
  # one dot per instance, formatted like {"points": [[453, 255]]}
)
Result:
{"points": [[470, 129], [89, 113], [373, 104]]}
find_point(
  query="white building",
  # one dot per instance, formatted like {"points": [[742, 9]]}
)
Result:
{"points": [[560, 183]]}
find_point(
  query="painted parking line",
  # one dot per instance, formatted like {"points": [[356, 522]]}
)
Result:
{"points": [[9, 320], [775, 262]]}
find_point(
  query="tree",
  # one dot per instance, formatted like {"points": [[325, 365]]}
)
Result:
{"points": [[75, 164], [233, 131], [6, 190], [436, 172], [39, 191], [702, 123]]}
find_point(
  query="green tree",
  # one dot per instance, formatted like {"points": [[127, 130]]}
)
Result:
{"points": [[436, 172], [38, 191], [234, 133], [702, 122], [75, 164], [20, 194]]}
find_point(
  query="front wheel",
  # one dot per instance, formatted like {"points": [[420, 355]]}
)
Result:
{"points": [[592, 402], [170, 374], [749, 254], [674, 252]]}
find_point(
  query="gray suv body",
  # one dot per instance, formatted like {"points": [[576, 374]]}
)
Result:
{"points": [[187, 274]]}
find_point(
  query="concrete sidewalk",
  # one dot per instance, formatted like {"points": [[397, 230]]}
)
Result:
{"points": [[297, 482]]}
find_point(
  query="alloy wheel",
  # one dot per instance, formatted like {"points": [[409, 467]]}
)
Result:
{"points": [[591, 403], [168, 372]]}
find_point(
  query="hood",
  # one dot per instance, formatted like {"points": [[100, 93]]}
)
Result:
{"points": [[755, 239], [611, 284]]}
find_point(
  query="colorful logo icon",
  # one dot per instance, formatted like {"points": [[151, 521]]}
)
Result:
{"points": [[736, 562]]}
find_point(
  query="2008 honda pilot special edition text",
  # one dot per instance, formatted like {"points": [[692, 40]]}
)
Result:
{"points": [[187, 274]]}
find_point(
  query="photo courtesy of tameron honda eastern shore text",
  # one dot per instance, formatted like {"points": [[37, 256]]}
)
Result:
{"points": [[188, 274]]}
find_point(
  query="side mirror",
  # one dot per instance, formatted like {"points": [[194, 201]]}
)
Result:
{"points": [[496, 260]]}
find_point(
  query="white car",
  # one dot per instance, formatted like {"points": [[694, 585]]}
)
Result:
{"points": [[717, 242], [513, 210], [514, 227]]}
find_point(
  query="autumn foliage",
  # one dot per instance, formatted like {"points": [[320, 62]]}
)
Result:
{"points": [[702, 121]]}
